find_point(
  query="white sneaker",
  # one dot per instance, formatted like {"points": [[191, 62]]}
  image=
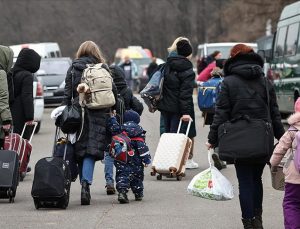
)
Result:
{"points": [[190, 164]]}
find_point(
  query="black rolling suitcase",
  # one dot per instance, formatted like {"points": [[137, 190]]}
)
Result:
{"points": [[51, 183], [9, 174]]}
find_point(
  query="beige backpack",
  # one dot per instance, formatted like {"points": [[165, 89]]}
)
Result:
{"points": [[98, 88]]}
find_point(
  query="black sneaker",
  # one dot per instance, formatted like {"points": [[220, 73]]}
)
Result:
{"points": [[139, 197], [110, 189], [122, 198], [217, 161]]}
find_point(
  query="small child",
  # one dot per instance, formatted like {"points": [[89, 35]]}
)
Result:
{"points": [[130, 174], [291, 201]]}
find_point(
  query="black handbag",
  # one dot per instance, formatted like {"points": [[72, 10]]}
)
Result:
{"points": [[69, 121], [246, 138]]}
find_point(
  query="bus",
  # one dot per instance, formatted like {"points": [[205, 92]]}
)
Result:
{"points": [[285, 59]]}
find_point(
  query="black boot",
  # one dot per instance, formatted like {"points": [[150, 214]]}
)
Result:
{"points": [[138, 196], [257, 222], [122, 198], [248, 223], [85, 193]]}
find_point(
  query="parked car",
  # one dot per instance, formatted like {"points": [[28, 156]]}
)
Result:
{"points": [[52, 74], [38, 100]]}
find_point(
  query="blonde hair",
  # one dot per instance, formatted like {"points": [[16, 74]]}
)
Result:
{"points": [[173, 47], [89, 48]]}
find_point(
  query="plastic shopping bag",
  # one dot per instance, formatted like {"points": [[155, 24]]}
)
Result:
{"points": [[211, 184]]}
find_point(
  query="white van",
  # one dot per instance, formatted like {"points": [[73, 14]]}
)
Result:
{"points": [[208, 48], [45, 50]]}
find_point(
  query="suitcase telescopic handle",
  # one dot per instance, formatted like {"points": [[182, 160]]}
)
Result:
{"points": [[24, 128], [188, 128]]}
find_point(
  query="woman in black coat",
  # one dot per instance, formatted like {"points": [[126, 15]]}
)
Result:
{"points": [[177, 94], [28, 62], [244, 81], [94, 138]]}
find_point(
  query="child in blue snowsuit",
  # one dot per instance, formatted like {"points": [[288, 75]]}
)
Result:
{"points": [[131, 174]]}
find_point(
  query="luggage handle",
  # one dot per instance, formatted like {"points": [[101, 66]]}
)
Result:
{"points": [[57, 130], [24, 128], [188, 128]]}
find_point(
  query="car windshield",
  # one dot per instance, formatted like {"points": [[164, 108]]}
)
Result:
{"points": [[57, 67], [225, 50]]}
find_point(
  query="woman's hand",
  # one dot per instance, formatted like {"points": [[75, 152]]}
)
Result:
{"points": [[208, 145], [30, 123], [186, 118]]}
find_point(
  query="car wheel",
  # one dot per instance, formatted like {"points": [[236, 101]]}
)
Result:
{"points": [[38, 127]]}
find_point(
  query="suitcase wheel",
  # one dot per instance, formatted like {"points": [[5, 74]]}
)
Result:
{"points": [[10, 194], [152, 173], [179, 178], [159, 177], [37, 204]]}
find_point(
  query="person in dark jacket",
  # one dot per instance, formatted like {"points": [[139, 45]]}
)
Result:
{"points": [[130, 102], [177, 94], [94, 138], [22, 108], [243, 74], [152, 68]]}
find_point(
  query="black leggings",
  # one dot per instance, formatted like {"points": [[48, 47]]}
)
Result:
{"points": [[250, 187]]}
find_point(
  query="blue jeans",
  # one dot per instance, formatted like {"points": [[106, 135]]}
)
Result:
{"points": [[86, 169], [109, 169], [250, 187]]}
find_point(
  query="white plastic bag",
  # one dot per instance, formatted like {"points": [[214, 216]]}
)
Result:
{"points": [[211, 184]]}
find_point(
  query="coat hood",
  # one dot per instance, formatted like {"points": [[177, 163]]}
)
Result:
{"points": [[29, 60], [118, 76], [6, 58], [248, 66], [80, 63], [294, 120], [133, 129], [179, 63]]}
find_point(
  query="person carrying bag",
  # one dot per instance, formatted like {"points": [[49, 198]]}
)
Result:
{"points": [[245, 118]]}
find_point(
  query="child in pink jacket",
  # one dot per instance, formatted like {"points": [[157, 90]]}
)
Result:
{"points": [[291, 201]]}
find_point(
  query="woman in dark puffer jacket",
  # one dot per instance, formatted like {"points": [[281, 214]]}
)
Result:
{"points": [[177, 95], [92, 143], [244, 75]]}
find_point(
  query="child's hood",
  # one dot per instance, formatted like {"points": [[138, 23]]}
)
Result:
{"points": [[294, 120], [133, 129]]}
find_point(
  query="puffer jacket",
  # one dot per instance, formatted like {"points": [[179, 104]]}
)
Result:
{"points": [[286, 142], [94, 137], [243, 82], [6, 60], [28, 62]]}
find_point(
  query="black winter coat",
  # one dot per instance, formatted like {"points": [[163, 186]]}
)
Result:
{"points": [[177, 94], [22, 108], [130, 101], [94, 138], [244, 76]]}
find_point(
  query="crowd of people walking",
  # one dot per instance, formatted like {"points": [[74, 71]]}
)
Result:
{"points": [[113, 133]]}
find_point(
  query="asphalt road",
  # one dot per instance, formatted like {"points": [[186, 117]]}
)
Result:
{"points": [[166, 203]]}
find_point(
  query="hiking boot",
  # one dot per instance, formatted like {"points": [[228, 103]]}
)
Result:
{"points": [[122, 198], [257, 222], [85, 193], [190, 164], [248, 223], [110, 189], [217, 161], [138, 197]]}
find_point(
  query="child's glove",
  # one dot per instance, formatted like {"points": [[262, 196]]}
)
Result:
{"points": [[146, 160]]}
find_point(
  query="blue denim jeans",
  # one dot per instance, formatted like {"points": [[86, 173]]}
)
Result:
{"points": [[250, 187], [109, 169], [86, 169]]}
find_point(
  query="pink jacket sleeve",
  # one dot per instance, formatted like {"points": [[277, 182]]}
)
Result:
{"points": [[205, 74], [284, 144]]}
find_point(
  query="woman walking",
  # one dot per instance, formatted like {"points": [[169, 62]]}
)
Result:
{"points": [[92, 143], [244, 94], [177, 95]]}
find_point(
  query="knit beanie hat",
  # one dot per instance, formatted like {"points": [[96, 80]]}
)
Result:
{"points": [[131, 115], [184, 48], [240, 49], [297, 105]]}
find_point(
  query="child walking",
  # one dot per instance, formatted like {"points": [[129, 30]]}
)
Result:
{"points": [[129, 168], [291, 201]]}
